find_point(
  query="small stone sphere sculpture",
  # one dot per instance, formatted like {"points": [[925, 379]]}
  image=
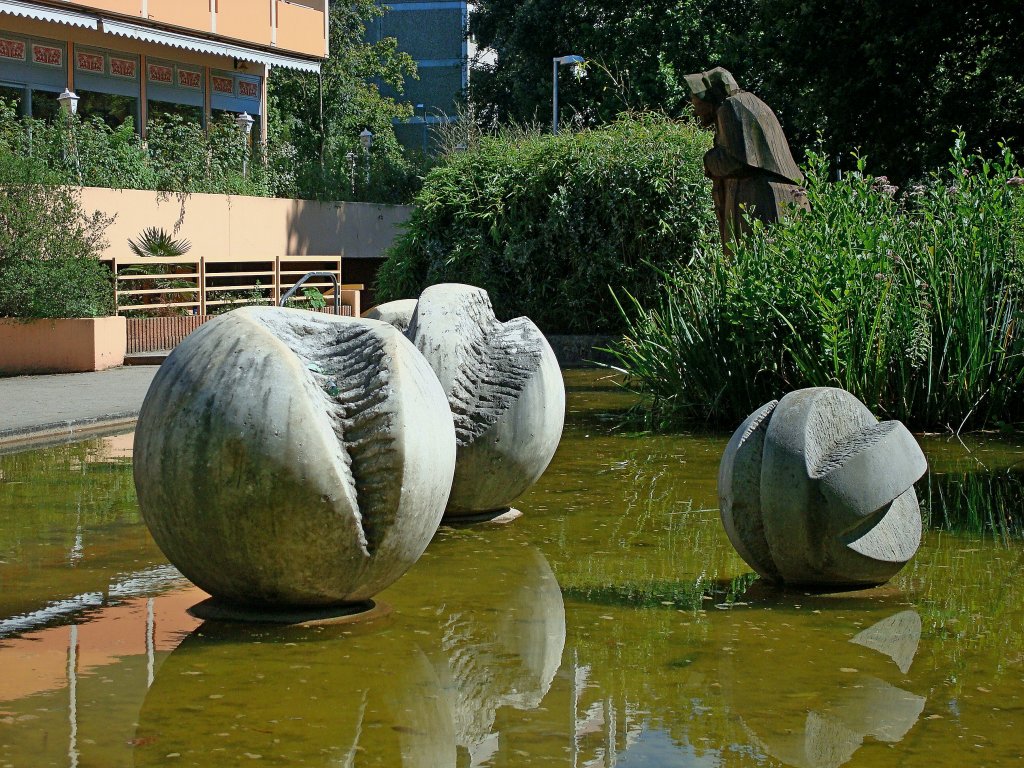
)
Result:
{"points": [[504, 387], [287, 459], [814, 491]]}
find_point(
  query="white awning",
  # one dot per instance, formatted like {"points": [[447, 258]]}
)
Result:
{"points": [[43, 13], [175, 40]]}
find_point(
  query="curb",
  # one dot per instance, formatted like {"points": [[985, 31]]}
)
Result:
{"points": [[55, 433]]}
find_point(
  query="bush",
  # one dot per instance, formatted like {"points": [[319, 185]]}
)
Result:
{"points": [[49, 248], [545, 224], [911, 302], [178, 155]]}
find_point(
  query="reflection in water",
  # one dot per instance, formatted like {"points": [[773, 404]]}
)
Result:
{"points": [[661, 654], [229, 694], [976, 502], [897, 637], [369, 690], [843, 706], [506, 655]]}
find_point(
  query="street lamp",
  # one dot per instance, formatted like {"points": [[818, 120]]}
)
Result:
{"points": [[576, 61], [68, 102], [366, 139], [351, 157], [245, 122], [423, 108]]}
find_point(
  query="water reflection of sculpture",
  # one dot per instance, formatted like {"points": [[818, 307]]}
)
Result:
{"points": [[503, 655], [810, 715], [367, 699]]}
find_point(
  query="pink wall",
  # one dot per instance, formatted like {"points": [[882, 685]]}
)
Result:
{"points": [[236, 227]]}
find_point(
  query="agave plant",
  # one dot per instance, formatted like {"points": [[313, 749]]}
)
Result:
{"points": [[156, 241]]}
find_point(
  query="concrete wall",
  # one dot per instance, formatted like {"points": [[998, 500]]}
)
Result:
{"points": [[61, 346], [236, 227]]}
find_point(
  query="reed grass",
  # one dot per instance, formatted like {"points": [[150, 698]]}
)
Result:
{"points": [[910, 300]]}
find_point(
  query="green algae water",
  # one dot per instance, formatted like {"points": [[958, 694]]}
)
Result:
{"points": [[611, 625]]}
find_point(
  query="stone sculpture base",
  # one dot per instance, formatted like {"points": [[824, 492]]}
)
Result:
{"points": [[213, 609]]}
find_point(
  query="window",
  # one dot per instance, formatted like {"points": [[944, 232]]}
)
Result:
{"points": [[157, 109], [110, 107], [14, 94], [44, 104]]}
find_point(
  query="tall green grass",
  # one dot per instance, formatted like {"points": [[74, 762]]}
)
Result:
{"points": [[908, 299]]}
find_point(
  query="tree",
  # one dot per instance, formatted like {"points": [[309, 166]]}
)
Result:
{"points": [[638, 52], [892, 80], [322, 115]]}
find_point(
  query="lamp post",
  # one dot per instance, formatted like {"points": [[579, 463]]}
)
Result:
{"points": [[366, 139], [68, 101], [351, 157], [576, 61], [422, 108], [245, 122]]}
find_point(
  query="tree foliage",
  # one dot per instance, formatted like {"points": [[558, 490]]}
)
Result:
{"points": [[890, 81], [49, 247], [638, 51], [323, 115]]}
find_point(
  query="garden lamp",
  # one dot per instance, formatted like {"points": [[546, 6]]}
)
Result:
{"points": [[351, 157], [68, 102], [245, 122], [577, 62], [423, 108], [366, 139]]}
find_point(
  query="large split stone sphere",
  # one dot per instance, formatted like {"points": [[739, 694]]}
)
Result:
{"points": [[815, 491], [504, 387], [291, 459]]}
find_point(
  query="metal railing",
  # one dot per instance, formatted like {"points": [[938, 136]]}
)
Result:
{"points": [[308, 276]]}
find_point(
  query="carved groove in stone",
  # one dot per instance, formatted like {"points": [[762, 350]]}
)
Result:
{"points": [[497, 363], [351, 371]]}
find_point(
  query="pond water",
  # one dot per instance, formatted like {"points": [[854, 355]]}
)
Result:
{"points": [[612, 625]]}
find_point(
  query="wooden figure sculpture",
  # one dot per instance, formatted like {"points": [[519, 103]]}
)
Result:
{"points": [[750, 165]]}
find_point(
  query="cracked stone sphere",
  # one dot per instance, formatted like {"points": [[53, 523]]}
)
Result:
{"points": [[504, 387], [292, 459], [814, 491]]}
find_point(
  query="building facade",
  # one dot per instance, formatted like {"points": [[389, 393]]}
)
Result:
{"points": [[434, 34], [143, 58]]}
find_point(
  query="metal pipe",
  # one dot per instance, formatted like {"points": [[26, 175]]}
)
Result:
{"points": [[309, 275]]}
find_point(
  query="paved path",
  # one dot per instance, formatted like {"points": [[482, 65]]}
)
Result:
{"points": [[41, 408]]}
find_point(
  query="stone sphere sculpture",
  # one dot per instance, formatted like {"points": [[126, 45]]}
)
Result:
{"points": [[397, 313], [504, 387], [288, 459], [814, 491]]}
